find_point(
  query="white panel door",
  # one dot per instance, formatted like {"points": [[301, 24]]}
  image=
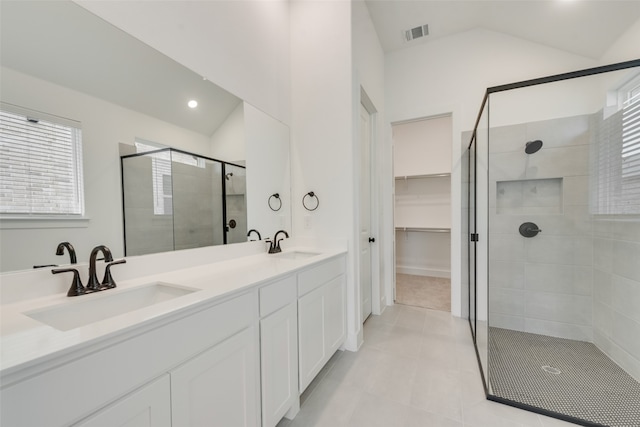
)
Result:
{"points": [[365, 213], [149, 406], [279, 362], [220, 386]]}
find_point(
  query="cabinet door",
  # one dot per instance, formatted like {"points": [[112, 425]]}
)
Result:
{"points": [[279, 361], [311, 336], [149, 406], [334, 314], [220, 387]]}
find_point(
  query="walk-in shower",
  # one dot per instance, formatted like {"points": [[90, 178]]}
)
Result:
{"points": [[552, 242]]}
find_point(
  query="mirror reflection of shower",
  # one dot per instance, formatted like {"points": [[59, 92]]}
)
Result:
{"points": [[235, 204], [177, 200]]}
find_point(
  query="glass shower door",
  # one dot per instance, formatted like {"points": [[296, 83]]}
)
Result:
{"points": [[197, 201]]}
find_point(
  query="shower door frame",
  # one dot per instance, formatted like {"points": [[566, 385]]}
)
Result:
{"points": [[472, 219]]}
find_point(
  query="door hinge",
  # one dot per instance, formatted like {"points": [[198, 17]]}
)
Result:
{"points": [[474, 237]]}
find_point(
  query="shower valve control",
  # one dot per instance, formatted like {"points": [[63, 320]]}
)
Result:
{"points": [[529, 229]]}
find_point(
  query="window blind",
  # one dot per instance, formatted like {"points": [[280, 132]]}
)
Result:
{"points": [[616, 155], [40, 166]]}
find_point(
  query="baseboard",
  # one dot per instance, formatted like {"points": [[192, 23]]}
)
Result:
{"points": [[419, 271]]}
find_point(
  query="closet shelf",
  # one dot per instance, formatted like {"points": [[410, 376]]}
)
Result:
{"points": [[433, 175], [424, 229]]}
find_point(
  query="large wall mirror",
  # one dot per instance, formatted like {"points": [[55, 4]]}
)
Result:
{"points": [[59, 60]]}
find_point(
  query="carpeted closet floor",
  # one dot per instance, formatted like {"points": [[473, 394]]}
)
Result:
{"points": [[423, 291]]}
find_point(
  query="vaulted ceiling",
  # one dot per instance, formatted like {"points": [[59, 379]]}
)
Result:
{"points": [[583, 27]]}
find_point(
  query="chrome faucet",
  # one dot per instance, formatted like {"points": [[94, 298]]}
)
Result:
{"points": [[94, 284], [274, 247], [253, 230], [70, 249]]}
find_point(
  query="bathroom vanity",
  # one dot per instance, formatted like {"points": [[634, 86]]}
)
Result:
{"points": [[232, 342]]}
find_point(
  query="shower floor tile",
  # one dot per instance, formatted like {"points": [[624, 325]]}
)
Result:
{"points": [[564, 376]]}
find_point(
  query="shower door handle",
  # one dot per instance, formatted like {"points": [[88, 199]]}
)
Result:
{"points": [[372, 239]]}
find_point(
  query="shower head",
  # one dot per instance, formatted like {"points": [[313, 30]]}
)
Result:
{"points": [[533, 146], [229, 175]]}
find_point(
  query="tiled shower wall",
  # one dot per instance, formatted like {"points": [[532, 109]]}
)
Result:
{"points": [[580, 277], [197, 205], [541, 284], [616, 292]]}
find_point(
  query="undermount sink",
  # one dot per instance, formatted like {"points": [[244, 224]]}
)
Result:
{"points": [[297, 254], [91, 308]]}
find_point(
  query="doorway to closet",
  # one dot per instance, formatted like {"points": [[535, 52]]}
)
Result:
{"points": [[422, 170]]}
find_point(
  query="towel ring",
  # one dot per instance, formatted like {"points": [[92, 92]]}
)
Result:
{"points": [[277, 197], [311, 195]]}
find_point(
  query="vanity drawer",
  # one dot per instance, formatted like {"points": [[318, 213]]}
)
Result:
{"points": [[314, 277], [277, 295]]}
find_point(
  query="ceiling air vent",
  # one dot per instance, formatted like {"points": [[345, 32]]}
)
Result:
{"points": [[416, 33]]}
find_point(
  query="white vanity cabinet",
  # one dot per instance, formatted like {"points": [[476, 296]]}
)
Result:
{"points": [[219, 386], [239, 360], [321, 316], [149, 406], [278, 349], [207, 359]]}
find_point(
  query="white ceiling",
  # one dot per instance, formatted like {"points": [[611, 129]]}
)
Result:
{"points": [[582, 27]]}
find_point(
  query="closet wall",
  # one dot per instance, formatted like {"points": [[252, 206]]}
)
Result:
{"points": [[422, 168]]}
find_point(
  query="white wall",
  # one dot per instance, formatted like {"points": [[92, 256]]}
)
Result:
{"points": [[242, 46], [104, 126], [450, 76], [322, 129], [368, 76]]}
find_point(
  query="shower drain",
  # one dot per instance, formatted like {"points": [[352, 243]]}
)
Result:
{"points": [[551, 370]]}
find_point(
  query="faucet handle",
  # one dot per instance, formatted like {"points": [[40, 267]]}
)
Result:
{"points": [[271, 245], [107, 281], [76, 285]]}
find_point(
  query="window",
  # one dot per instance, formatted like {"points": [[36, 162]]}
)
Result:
{"points": [[616, 168], [40, 164]]}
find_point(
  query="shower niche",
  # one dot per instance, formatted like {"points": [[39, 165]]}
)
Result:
{"points": [[529, 196], [175, 200]]}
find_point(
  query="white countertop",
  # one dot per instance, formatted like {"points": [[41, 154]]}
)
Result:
{"points": [[25, 342]]}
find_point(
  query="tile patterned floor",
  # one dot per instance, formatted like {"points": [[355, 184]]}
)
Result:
{"points": [[416, 368], [579, 379], [423, 291]]}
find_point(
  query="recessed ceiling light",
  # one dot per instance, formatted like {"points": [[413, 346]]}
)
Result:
{"points": [[193, 103]]}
